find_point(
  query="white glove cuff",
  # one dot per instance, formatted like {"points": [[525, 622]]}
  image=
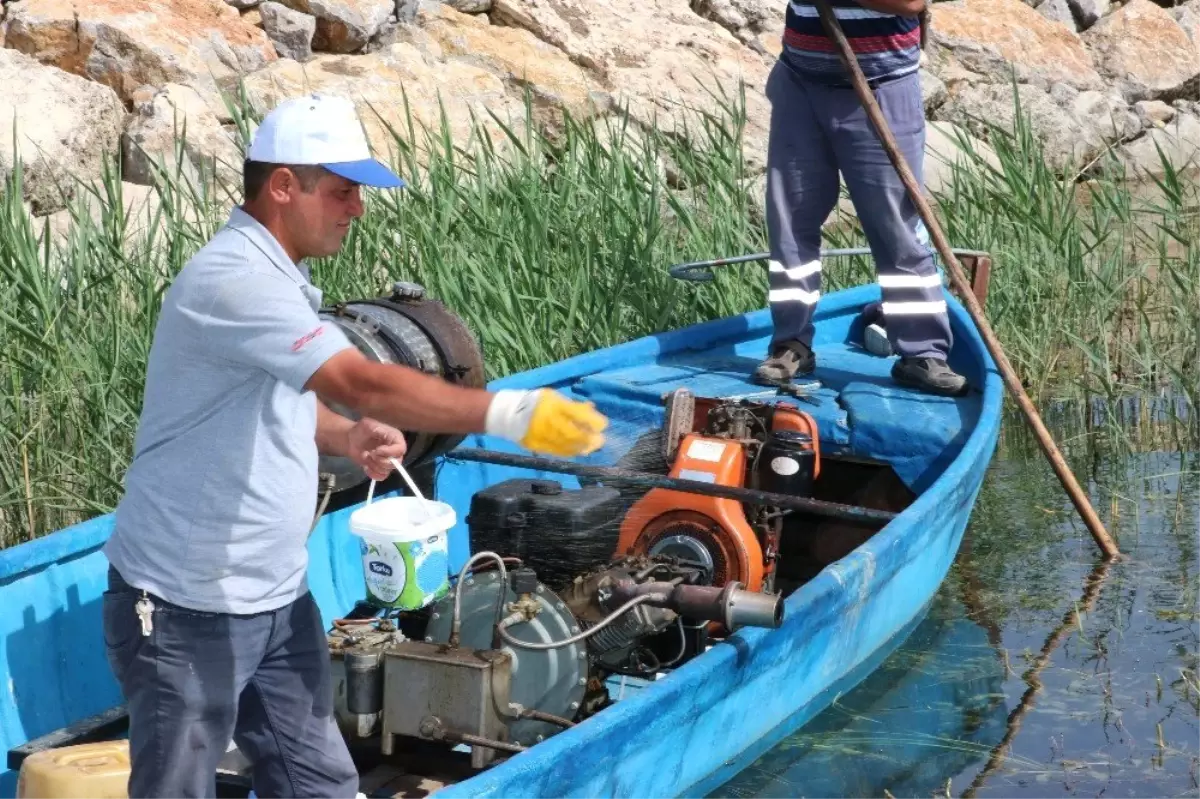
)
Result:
{"points": [[509, 413]]}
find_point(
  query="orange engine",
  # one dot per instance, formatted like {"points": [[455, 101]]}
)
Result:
{"points": [[717, 441]]}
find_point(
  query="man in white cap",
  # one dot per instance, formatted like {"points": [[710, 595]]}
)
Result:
{"points": [[209, 625]]}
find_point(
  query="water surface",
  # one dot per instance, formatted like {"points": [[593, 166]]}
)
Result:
{"points": [[1037, 671]]}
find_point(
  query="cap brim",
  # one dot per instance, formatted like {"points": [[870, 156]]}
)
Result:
{"points": [[368, 172]]}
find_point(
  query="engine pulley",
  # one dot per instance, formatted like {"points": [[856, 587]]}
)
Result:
{"points": [[408, 328]]}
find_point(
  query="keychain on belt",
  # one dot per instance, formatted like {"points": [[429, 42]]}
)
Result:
{"points": [[145, 611]]}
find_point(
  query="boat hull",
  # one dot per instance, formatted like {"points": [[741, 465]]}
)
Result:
{"points": [[682, 735]]}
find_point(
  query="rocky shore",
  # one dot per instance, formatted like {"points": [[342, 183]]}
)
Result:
{"points": [[87, 77]]}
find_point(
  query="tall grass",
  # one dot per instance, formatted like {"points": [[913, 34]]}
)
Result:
{"points": [[553, 244]]}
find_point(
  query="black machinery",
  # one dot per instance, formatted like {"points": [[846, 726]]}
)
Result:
{"points": [[409, 328]]}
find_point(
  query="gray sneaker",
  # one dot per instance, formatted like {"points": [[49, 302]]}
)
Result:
{"points": [[788, 359], [931, 375]]}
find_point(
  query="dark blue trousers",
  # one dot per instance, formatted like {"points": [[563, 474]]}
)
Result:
{"points": [[201, 680], [816, 131]]}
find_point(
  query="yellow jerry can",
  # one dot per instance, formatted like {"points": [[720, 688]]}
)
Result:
{"points": [[86, 771]]}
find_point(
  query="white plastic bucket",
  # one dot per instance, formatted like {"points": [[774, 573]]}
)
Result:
{"points": [[405, 550]]}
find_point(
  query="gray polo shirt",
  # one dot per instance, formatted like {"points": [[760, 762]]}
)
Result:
{"points": [[222, 488]]}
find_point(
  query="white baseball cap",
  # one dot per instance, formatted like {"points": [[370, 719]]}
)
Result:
{"points": [[320, 129]]}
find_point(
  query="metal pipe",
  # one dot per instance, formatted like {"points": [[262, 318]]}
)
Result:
{"points": [[1090, 518], [731, 604], [609, 619], [479, 740], [542, 715], [456, 624], [835, 510], [694, 270]]}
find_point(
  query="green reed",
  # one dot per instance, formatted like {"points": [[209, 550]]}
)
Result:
{"points": [[552, 243]]}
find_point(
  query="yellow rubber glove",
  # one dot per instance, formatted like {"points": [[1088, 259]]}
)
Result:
{"points": [[547, 422]]}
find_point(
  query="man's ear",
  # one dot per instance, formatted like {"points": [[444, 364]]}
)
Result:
{"points": [[281, 183]]}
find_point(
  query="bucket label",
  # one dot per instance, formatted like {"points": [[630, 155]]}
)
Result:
{"points": [[406, 575], [386, 572]]}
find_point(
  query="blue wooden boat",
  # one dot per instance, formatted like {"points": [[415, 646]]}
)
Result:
{"points": [[850, 598]]}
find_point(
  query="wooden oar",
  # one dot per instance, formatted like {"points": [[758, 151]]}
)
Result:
{"points": [[1094, 525]]}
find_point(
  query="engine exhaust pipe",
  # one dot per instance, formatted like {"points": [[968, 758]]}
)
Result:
{"points": [[731, 604]]}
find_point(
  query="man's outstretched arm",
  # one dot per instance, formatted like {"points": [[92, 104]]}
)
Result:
{"points": [[408, 399]]}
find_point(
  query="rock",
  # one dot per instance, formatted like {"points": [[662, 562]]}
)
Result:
{"points": [[1188, 17], [470, 6], [241, 5], [253, 17], [1154, 113], [947, 145], [291, 31], [662, 79], [1058, 11], [990, 37], [518, 58], [345, 26], [1180, 144], [149, 141], [1104, 119], [380, 84], [1073, 128], [745, 19], [1089, 12], [1142, 49], [933, 91], [139, 206], [129, 43], [66, 127]]}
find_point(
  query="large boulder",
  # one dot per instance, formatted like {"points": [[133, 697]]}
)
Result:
{"points": [[688, 65], [382, 83], [1073, 127], [517, 57], [1144, 51], [1178, 141], [65, 127], [290, 30], [947, 147], [992, 37], [126, 44], [172, 113], [746, 19], [345, 26]]}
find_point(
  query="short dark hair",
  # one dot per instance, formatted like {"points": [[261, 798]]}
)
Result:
{"points": [[255, 175]]}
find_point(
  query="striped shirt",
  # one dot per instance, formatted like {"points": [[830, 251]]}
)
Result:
{"points": [[888, 46]]}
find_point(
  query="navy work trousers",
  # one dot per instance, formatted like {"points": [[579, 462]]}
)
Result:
{"points": [[201, 680], [817, 130]]}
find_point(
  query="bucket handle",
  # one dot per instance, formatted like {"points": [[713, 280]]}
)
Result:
{"points": [[411, 487]]}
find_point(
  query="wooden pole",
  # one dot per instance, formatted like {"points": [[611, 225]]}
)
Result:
{"points": [[1080, 500]]}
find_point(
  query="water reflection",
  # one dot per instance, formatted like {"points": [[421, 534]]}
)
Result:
{"points": [[1037, 672], [934, 707]]}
